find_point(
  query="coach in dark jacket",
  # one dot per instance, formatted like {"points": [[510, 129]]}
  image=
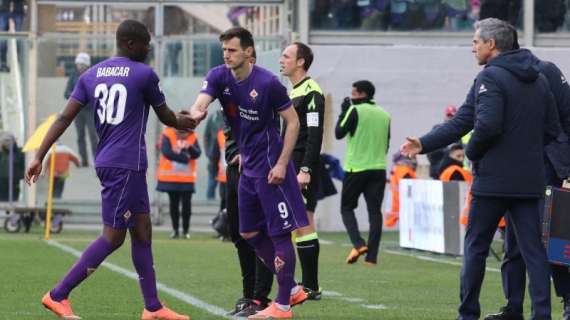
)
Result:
{"points": [[513, 109]]}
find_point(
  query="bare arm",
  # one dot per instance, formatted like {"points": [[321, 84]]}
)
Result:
{"points": [[199, 110], [173, 119], [55, 131], [277, 174], [291, 133]]}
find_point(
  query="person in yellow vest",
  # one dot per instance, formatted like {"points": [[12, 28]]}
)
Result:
{"points": [[176, 174], [403, 168], [221, 177], [367, 129]]}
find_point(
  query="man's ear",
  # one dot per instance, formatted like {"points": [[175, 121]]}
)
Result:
{"points": [[130, 44], [492, 44], [300, 62], [249, 51]]}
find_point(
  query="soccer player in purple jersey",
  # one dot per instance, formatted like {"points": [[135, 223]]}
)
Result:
{"points": [[119, 92], [270, 202]]}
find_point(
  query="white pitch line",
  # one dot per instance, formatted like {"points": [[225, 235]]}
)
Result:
{"points": [[188, 298], [430, 259]]}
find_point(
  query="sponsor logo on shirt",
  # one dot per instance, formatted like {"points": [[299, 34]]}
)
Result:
{"points": [[248, 114], [204, 85], [482, 88], [227, 92], [279, 264]]}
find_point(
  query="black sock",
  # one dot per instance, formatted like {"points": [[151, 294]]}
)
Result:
{"points": [[309, 256], [247, 260]]}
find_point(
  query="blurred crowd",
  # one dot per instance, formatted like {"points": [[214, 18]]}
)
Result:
{"points": [[455, 15]]}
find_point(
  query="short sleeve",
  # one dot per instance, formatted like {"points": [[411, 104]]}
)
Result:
{"points": [[153, 93], [279, 98], [211, 85], [79, 93]]}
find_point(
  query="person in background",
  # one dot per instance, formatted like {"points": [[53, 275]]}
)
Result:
{"points": [[176, 175], [84, 122], [7, 142], [367, 128], [214, 122], [14, 10], [222, 165], [403, 168], [435, 156], [64, 157], [451, 166]]}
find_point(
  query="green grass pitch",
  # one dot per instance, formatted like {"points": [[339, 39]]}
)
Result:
{"points": [[402, 286]]}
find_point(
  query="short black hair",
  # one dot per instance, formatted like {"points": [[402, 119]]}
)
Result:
{"points": [[304, 52], [132, 30], [455, 146], [366, 87], [244, 36]]}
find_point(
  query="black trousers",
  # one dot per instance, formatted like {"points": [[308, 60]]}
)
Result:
{"points": [[84, 123], [484, 216], [58, 186], [371, 184], [175, 198], [513, 268], [257, 279]]}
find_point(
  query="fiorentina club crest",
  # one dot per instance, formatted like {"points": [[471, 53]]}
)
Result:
{"points": [[279, 263], [253, 94]]}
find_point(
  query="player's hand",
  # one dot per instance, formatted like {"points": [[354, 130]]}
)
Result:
{"points": [[277, 174], [198, 115], [411, 147], [304, 178], [184, 121], [33, 172]]}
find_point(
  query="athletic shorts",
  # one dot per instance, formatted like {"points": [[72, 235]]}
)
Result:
{"points": [[277, 209], [124, 195]]}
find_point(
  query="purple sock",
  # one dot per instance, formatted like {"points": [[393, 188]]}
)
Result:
{"points": [[263, 247], [142, 259], [284, 267], [91, 258]]}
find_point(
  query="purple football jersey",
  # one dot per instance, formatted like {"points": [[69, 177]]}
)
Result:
{"points": [[119, 92], [251, 108]]}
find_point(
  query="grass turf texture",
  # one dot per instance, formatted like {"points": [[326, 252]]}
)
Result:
{"points": [[400, 287]]}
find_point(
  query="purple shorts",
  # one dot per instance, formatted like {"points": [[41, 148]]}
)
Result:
{"points": [[279, 209], [124, 194]]}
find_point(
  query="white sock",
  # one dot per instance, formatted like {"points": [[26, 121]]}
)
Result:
{"points": [[282, 307], [295, 289]]}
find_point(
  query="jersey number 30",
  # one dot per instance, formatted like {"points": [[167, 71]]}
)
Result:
{"points": [[111, 108]]}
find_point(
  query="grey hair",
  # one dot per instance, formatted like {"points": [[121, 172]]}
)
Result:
{"points": [[499, 30]]}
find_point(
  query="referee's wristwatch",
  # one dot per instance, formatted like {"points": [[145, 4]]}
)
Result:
{"points": [[305, 169]]}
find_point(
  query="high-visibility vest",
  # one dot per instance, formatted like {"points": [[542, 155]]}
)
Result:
{"points": [[449, 171], [399, 172], [464, 217], [222, 162], [172, 171]]}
